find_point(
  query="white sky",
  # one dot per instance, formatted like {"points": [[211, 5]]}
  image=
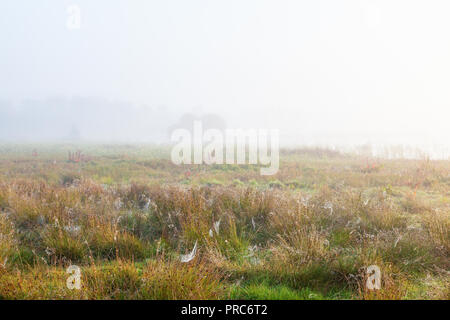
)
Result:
{"points": [[360, 70]]}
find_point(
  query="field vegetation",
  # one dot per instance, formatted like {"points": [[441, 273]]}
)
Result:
{"points": [[124, 214]]}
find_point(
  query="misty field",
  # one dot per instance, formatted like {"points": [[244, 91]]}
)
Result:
{"points": [[125, 215]]}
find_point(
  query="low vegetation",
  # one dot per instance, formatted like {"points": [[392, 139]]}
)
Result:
{"points": [[125, 214]]}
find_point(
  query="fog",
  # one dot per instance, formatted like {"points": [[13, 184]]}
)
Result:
{"points": [[322, 72]]}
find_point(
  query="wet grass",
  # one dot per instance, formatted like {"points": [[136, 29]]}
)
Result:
{"points": [[125, 214]]}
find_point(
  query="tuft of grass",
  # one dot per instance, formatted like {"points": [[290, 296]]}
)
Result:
{"points": [[263, 291], [172, 281]]}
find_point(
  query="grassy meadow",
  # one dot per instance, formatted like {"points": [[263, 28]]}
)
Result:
{"points": [[124, 214]]}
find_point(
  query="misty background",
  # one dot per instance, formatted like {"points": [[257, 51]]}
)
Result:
{"points": [[329, 73]]}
